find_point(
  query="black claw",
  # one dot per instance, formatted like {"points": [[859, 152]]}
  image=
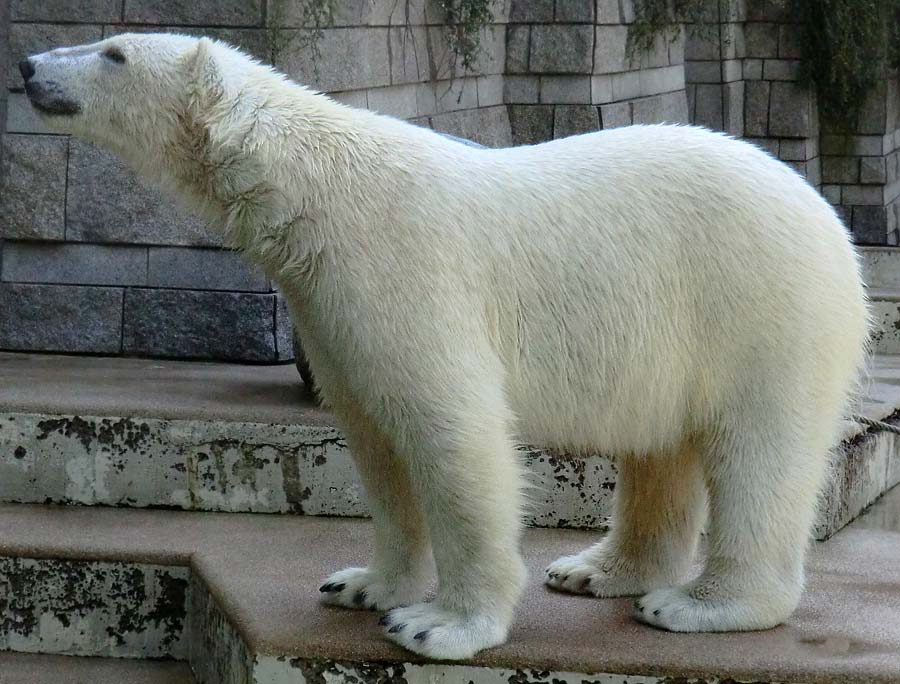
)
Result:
{"points": [[565, 578], [396, 628], [325, 588], [421, 636], [384, 621], [360, 597], [656, 612], [586, 582], [639, 607]]}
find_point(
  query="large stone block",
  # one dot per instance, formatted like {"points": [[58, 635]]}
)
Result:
{"points": [[608, 12], [521, 89], [761, 40], [790, 111], [708, 106], [21, 117], [487, 126], [203, 13], [33, 187], [396, 100], [574, 120], [575, 11], [872, 115], [284, 330], [531, 124], [517, 39], [768, 10], [610, 53], [756, 108], [733, 94], [490, 90], [840, 169], [869, 224], [107, 202], [616, 115], [666, 108], [203, 269], [339, 59], [561, 48], [203, 325], [293, 14], [60, 318], [408, 54], [28, 39], [76, 264], [83, 11], [872, 170], [662, 80], [565, 89], [531, 11]]}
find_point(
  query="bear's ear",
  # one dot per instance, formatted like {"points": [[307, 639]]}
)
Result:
{"points": [[206, 84]]}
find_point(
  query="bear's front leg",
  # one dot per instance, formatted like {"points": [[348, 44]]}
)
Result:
{"points": [[402, 568], [463, 464]]}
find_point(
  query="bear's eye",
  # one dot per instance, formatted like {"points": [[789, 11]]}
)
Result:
{"points": [[114, 54]]}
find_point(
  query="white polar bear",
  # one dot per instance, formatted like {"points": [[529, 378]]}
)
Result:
{"points": [[666, 295]]}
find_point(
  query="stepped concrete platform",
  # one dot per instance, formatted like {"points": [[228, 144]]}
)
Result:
{"points": [[881, 273], [28, 668], [237, 438], [251, 612]]}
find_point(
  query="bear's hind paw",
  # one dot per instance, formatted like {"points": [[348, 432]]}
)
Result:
{"points": [[430, 631]]}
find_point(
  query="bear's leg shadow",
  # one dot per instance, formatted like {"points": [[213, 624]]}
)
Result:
{"points": [[764, 480], [660, 505], [402, 568], [464, 465]]}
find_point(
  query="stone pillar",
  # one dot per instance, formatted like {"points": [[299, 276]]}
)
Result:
{"points": [[860, 166]]}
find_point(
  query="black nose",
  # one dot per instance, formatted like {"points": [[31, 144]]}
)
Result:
{"points": [[27, 68]]}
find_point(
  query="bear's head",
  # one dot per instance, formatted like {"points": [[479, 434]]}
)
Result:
{"points": [[134, 93]]}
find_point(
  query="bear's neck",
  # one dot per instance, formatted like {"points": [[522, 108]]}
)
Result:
{"points": [[274, 182]]}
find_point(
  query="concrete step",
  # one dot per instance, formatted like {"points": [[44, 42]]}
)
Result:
{"points": [[28, 668], [251, 613], [236, 438], [881, 273]]}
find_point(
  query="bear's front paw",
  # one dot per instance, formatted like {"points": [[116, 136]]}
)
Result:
{"points": [[365, 589], [444, 635], [583, 574]]}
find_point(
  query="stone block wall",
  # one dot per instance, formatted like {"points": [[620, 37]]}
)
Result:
{"points": [[742, 69], [568, 71], [93, 260]]}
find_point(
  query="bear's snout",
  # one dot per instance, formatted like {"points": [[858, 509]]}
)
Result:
{"points": [[26, 68]]}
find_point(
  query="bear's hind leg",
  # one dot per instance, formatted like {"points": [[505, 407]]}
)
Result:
{"points": [[660, 504], [763, 486], [402, 568], [468, 477]]}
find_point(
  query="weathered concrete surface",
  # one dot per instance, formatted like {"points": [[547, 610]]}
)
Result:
{"points": [[239, 467], [261, 620], [30, 668], [78, 607], [102, 431]]}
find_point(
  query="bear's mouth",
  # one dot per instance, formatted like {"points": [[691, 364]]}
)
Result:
{"points": [[48, 102]]}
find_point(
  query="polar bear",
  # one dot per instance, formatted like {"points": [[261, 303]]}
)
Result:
{"points": [[666, 295]]}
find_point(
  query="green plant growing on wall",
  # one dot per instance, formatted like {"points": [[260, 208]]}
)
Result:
{"points": [[665, 18], [848, 45], [466, 20], [313, 16]]}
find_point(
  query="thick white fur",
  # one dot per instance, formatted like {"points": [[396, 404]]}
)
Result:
{"points": [[663, 294]]}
